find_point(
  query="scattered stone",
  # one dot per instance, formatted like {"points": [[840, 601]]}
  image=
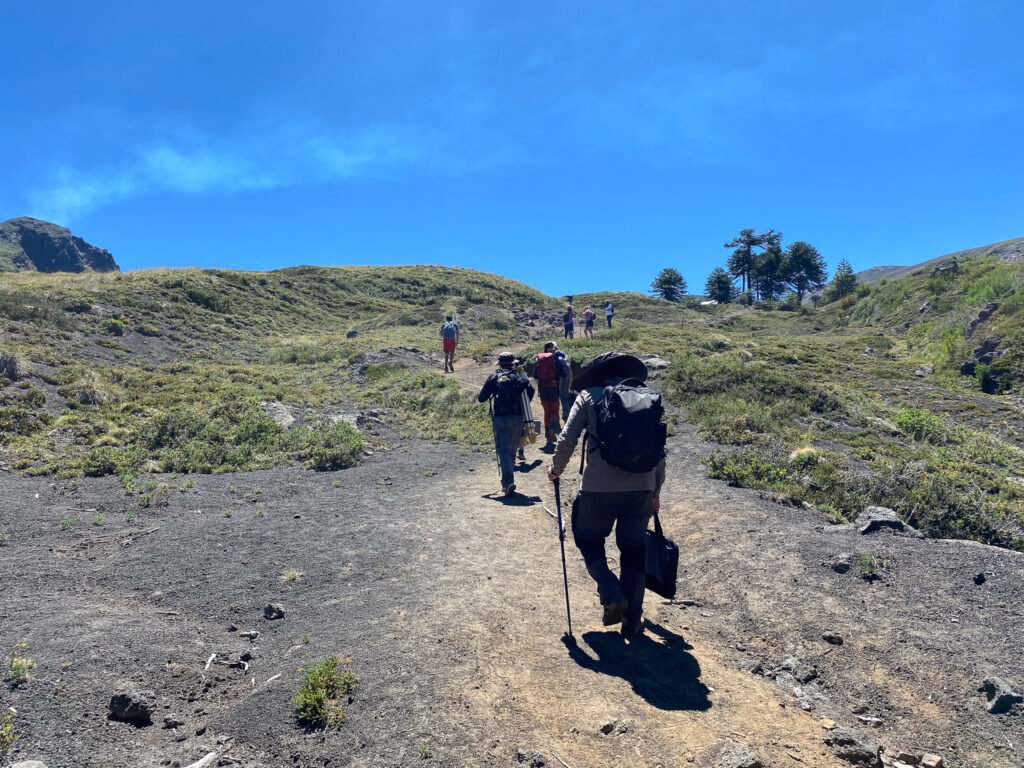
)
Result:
{"points": [[924, 370], [869, 350], [250, 635], [279, 413], [173, 721], [925, 307], [246, 656], [952, 267], [841, 563], [980, 579], [608, 727], [738, 756], [800, 670], [872, 722], [832, 638], [909, 758], [134, 706], [828, 725], [530, 758], [901, 764], [932, 761], [200, 730], [1001, 696], [967, 369], [273, 611], [351, 334], [875, 519], [855, 748], [29, 764]]}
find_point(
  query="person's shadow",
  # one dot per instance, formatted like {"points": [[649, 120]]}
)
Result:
{"points": [[529, 467], [661, 673], [515, 500]]}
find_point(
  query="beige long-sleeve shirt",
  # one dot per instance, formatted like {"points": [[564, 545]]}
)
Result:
{"points": [[598, 475]]}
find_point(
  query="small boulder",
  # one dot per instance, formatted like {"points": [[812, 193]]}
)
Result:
{"points": [[530, 758], [924, 370], [841, 563], [273, 612], [932, 761], [133, 706], [855, 748], [1001, 696], [738, 756], [967, 368], [875, 519], [351, 334], [946, 267], [279, 413], [832, 638], [909, 758], [925, 307], [980, 578], [30, 764], [173, 721]]}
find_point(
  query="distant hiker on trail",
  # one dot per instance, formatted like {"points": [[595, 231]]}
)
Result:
{"points": [[588, 322], [608, 312], [504, 389], [569, 322], [564, 365], [545, 370], [625, 468], [450, 339]]}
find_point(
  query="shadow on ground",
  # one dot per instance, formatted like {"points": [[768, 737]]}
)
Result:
{"points": [[516, 500], [662, 673]]}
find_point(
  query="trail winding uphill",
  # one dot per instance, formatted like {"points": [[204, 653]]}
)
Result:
{"points": [[449, 601]]}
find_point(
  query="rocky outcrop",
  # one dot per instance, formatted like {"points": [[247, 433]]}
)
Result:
{"points": [[39, 246]]}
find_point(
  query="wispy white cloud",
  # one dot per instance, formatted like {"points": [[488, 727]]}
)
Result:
{"points": [[192, 165]]}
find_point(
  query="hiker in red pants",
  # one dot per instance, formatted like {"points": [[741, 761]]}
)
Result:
{"points": [[545, 371]]}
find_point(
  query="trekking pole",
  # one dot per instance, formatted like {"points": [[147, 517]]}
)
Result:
{"points": [[561, 541]]}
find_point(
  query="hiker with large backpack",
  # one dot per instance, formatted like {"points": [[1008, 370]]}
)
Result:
{"points": [[450, 340], [621, 422], [504, 389], [545, 370], [569, 322]]}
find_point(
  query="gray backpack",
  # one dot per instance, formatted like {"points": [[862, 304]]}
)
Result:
{"points": [[449, 330]]}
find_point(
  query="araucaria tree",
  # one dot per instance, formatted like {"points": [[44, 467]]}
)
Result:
{"points": [[766, 273], [804, 268], [669, 284], [742, 259], [719, 286], [844, 282]]}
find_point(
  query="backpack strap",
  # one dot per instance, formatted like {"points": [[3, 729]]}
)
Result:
{"points": [[657, 525]]}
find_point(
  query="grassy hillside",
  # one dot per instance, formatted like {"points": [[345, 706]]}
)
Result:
{"points": [[855, 403]]}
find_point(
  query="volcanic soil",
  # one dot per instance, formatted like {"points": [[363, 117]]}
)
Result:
{"points": [[448, 600]]}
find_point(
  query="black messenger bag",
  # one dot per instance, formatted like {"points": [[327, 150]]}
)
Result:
{"points": [[662, 562]]}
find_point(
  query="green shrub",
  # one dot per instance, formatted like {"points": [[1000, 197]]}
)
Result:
{"points": [[922, 425], [113, 326], [7, 733], [318, 700], [211, 300], [12, 366], [328, 446]]}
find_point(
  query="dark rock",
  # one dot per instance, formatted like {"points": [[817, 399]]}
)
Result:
{"points": [[737, 756], [854, 747], [987, 346], [351, 334], [832, 638], [924, 370], [1001, 696], [530, 758], [250, 635], [967, 368], [39, 246], [925, 307], [273, 611], [875, 519], [134, 706], [173, 721], [980, 579], [946, 267], [841, 563]]}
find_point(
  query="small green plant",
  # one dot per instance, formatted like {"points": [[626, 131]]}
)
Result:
{"points": [[317, 701], [187, 485], [426, 752], [291, 574], [5, 538], [114, 326], [336, 484], [97, 519], [921, 425], [429, 473], [305, 639], [7, 733], [259, 512], [66, 523], [18, 665], [870, 566], [833, 514], [228, 512], [129, 515]]}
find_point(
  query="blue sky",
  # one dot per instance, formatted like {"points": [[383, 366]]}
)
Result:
{"points": [[576, 145]]}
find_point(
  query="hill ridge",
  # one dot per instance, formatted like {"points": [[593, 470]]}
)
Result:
{"points": [[35, 245]]}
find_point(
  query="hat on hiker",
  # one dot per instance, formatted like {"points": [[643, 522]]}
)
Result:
{"points": [[610, 365], [506, 359]]}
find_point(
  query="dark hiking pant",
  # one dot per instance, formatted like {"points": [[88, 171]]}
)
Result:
{"points": [[593, 515], [609, 319], [565, 396], [507, 431]]}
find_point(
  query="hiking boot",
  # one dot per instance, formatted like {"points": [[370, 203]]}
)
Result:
{"points": [[510, 489], [631, 630], [521, 455], [614, 610]]}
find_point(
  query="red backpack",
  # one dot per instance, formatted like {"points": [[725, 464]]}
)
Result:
{"points": [[545, 370]]}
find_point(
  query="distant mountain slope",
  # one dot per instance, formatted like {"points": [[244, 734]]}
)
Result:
{"points": [[33, 245], [1006, 250]]}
